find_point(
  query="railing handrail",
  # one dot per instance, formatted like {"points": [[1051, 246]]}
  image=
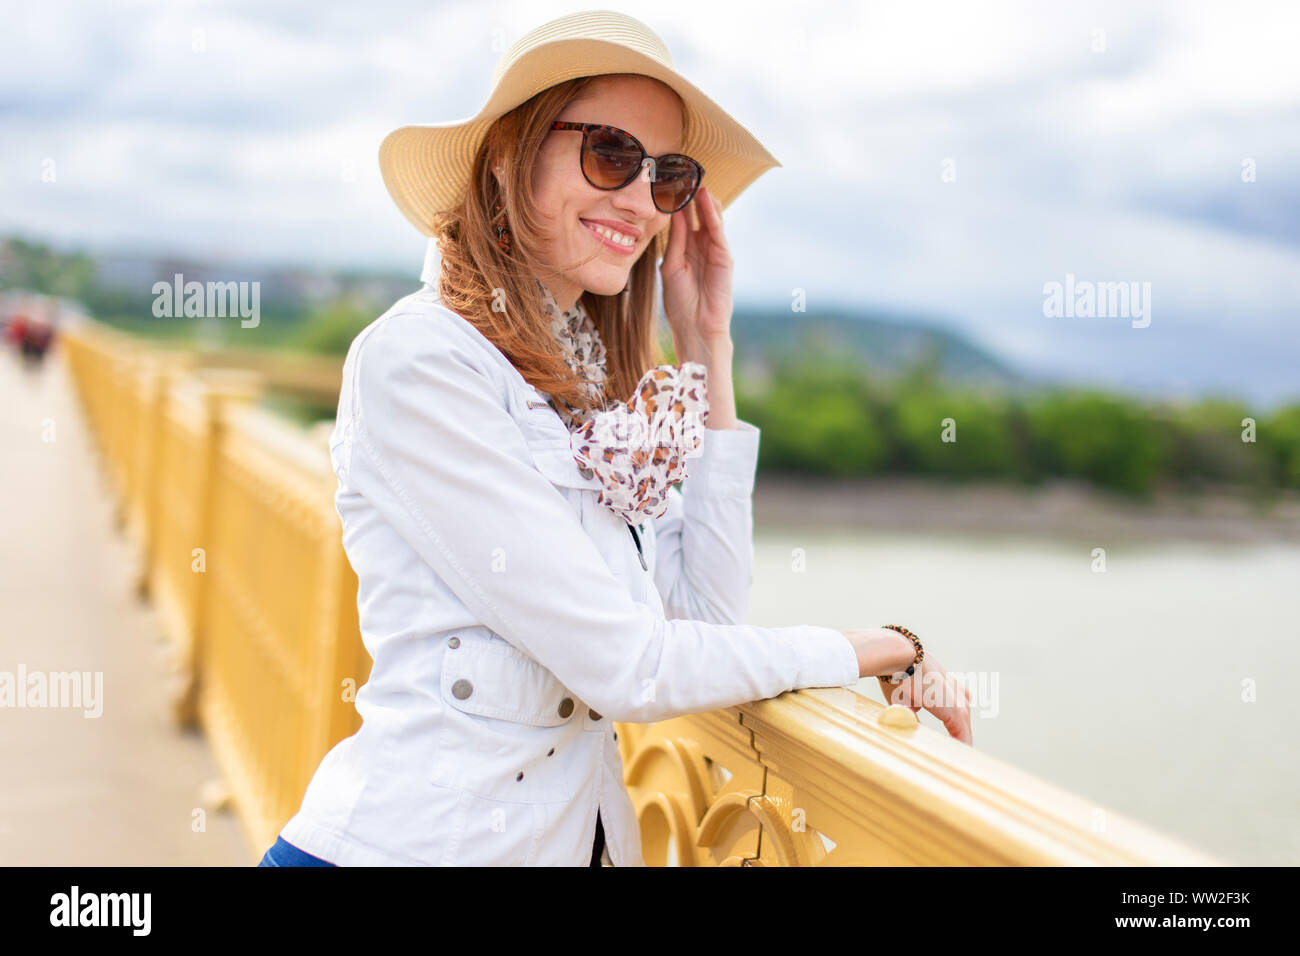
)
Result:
{"points": [[974, 807]]}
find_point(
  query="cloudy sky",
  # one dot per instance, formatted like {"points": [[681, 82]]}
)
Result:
{"points": [[941, 159]]}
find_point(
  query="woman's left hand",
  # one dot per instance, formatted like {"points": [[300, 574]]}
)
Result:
{"points": [[696, 274], [931, 687]]}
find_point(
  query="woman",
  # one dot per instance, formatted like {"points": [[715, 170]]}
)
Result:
{"points": [[506, 456]]}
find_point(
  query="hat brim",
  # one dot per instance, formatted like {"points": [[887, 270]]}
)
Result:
{"points": [[426, 168]]}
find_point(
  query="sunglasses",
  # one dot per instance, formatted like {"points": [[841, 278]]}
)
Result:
{"points": [[612, 158]]}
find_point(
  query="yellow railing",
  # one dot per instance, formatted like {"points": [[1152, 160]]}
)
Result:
{"points": [[231, 510], [232, 514]]}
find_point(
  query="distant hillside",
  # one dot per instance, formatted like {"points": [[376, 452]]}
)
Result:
{"points": [[882, 343]]}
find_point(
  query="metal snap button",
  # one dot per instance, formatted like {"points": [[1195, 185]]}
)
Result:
{"points": [[585, 471], [594, 715], [454, 643], [462, 689], [566, 707]]}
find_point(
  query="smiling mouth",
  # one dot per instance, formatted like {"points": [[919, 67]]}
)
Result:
{"points": [[611, 237]]}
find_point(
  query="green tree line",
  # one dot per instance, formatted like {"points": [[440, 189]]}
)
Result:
{"points": [[821, 414]]}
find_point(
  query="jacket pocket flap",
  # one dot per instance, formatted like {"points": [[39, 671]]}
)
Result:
{"points": [[554, 459], [490, 678]]}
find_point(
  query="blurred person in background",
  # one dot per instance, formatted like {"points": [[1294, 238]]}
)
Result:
{"points": [[37, 339]]}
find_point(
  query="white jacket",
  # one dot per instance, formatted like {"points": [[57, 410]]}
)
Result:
{"points": [[509, 617]]}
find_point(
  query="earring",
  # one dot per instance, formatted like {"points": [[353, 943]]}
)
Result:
{"points": [[502, 230]]}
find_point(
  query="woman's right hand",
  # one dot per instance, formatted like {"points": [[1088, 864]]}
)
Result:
{"points": [[882, 652]]}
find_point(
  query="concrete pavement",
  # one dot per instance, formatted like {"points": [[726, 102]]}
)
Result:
{"points": [[124, 787]]}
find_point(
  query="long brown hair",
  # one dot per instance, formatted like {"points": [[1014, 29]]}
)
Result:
{"points": [[496, 291]]}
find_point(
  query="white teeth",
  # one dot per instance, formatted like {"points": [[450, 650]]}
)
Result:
{"points": [[618, 237]]}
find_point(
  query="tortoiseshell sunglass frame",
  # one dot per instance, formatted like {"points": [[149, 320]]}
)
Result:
{"points": [[586, 128]]}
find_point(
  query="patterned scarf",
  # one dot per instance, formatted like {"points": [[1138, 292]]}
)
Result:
{"points": [[638, 448]]}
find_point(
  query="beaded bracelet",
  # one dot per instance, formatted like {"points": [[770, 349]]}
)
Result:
{"points": [[920, 654]]}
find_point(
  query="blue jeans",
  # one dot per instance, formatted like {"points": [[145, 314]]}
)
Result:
{"points": [[284, 853]]}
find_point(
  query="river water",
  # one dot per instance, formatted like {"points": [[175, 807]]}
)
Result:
{"points": [[1164, 686]]}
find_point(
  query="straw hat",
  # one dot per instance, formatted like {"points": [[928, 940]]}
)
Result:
{"points": [[426, 168]]}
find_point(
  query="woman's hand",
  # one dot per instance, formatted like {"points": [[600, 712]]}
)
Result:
{"points": [[696, 274], [932, 688], [884, 651]]}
